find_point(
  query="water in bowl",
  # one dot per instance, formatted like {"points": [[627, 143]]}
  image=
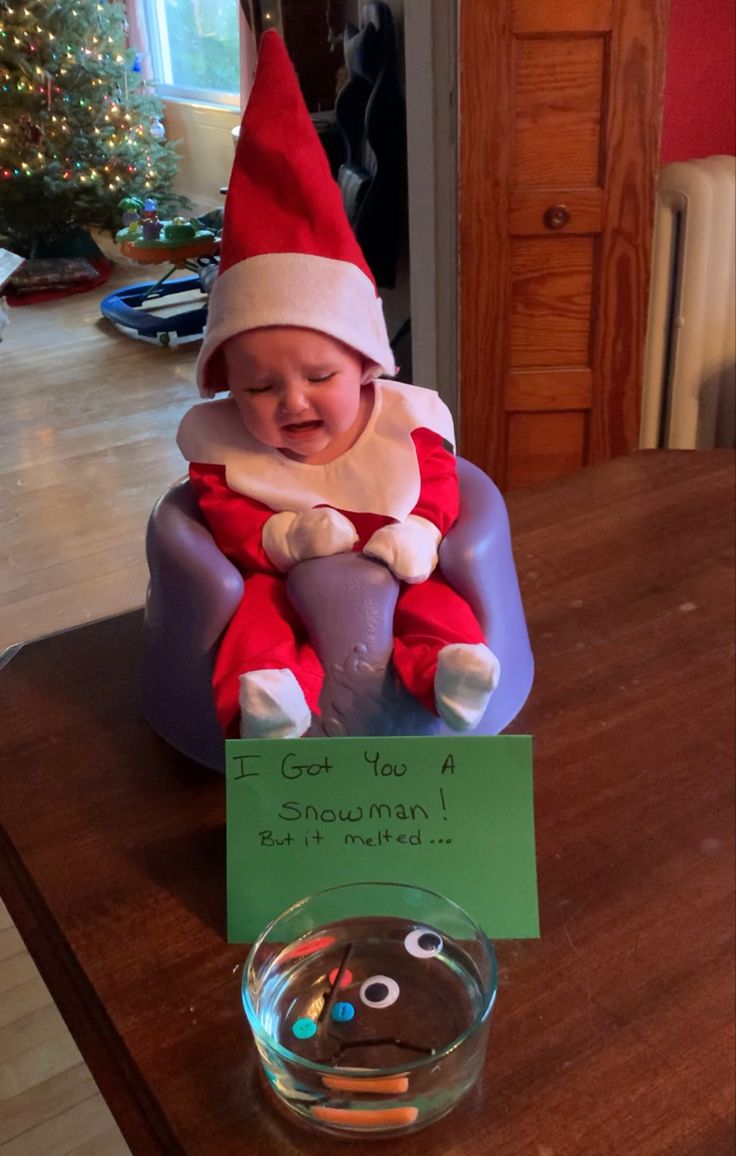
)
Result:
{"points": [[371, 1024]]}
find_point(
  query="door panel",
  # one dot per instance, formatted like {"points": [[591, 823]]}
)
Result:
{"points": [[532, 390], [551, 295], [531, 16], [559, 114], [544, 445], [559, 89]]}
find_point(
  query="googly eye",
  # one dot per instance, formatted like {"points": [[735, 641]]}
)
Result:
{"points": [[379, 991], [423, 943]]}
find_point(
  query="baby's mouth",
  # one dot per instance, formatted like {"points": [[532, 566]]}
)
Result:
{"points": [[302, 427]]}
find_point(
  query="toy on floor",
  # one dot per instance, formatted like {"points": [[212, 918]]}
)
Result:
{"points": [[317, 467], [141, 310], [146, 238]]}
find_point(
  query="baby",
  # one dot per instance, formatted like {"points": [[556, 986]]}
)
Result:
{"points": [[315, 453]]}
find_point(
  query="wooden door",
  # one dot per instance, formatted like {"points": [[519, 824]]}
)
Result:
{"points": [[559, 115]]}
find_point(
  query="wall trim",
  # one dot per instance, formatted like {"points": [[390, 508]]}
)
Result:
{"points": [[205, 148], [431, 66]]}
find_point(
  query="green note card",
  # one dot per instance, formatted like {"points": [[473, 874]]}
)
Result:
{"points": [[454, 815]]}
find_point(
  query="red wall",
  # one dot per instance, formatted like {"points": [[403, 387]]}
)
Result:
{"points": [[700, 93]]}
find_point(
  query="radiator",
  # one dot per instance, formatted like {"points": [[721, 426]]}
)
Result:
{"points": [[689, 382]]}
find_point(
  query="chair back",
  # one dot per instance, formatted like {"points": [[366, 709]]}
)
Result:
{"points": [[370, 111]]}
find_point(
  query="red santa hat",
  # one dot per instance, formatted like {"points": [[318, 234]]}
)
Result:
{"points": [[288, 253]]}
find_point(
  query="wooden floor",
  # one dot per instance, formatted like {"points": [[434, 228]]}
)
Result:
{"points": [[88, 418]]}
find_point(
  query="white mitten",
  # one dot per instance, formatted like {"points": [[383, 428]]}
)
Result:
{"points": [[289, 537], [408, 548]]}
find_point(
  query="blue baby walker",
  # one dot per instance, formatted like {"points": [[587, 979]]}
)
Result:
{"points": [[148, 310], [134, 309]]}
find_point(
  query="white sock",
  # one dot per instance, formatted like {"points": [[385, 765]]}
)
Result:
{"points": [[467, 675], [272, 706]]}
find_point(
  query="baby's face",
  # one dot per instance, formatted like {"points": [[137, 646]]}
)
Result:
{"points": [[297, 390]]}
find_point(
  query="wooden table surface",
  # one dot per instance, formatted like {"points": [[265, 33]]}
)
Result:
{"points": [[613, 1033]]}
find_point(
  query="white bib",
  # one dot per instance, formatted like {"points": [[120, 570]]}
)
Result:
{"points": [[379, 474]]}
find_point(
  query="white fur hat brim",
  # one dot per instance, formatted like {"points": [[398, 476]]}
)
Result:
{"points": [[299, 289]]}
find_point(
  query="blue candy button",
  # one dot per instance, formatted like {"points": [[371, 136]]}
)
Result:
{"points": [[343, 1012]]}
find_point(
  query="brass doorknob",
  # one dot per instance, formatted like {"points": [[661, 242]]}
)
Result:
{"points": [[556, 216]]}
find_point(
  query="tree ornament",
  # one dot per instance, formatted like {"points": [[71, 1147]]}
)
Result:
{"points": [[32, 132], [157, 130]]}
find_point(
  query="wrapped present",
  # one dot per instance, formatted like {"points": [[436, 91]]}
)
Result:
{"points": [[51, 273]]}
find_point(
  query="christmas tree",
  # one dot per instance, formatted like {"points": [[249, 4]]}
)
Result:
{"points": [[79, 127]]}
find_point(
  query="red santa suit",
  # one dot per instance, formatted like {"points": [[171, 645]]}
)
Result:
{"points": [[400, 468], [289, 258]]}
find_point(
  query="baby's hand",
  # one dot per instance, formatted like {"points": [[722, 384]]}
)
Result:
{"points": [[408, 548], [289, 538]]}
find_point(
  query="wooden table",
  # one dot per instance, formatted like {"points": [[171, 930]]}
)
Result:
{"points": [[613, 1033]]}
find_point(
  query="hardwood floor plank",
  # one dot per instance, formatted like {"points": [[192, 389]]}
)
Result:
{"points": [[29, 1031], [15, 970], [85, 1124], [43, 1076], [48, 1058], [88, 419], [23, 998], [45, 1101], [10, 942]]}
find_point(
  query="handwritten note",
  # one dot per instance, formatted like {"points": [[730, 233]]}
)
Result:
{"points": [[452, 815]]}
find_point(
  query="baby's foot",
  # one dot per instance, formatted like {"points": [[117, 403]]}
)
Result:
{"points": [[467, 675], [272, 706]]}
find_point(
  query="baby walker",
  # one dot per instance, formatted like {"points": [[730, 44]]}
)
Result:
{"points": [[141, 310]]}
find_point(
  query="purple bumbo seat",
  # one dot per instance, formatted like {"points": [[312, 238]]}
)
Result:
{"points": [[347, 603]]}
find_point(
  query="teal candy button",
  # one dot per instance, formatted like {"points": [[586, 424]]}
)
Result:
{"points": [[304, 1029]]}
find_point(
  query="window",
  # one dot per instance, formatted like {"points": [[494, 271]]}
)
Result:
{"points": [[195, 50]]}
